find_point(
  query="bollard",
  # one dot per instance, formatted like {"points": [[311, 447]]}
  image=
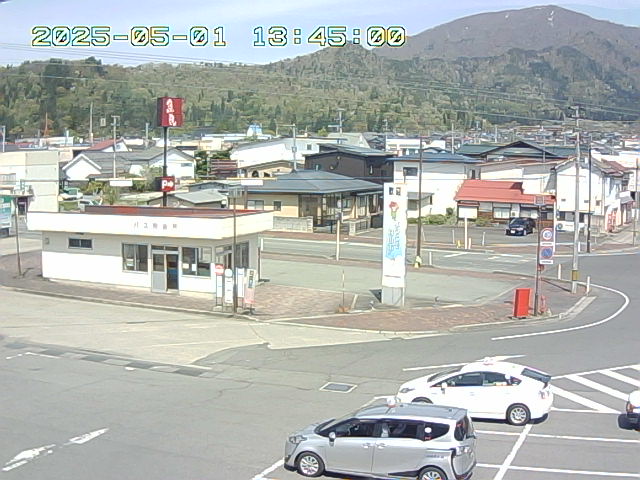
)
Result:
{"points": [[431, 259], [559, 271], [469, 243], [483, 234], [588, 285], [453, 236]]}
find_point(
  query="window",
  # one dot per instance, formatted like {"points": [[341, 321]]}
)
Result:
{"points": [[309, 146], [409, 172], [86, 243], [223, 255], [355, 428], [412, 205], [501, 212], [134, 257], [277, 205], [403, 429], [494, 379], [362, 201], [242, 255], [255, 204], [466, 380], [196, 261], [186, 164]]}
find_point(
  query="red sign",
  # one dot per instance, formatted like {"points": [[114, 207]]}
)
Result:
{"points": [[219, 269], [170, 112], [167, 184]]}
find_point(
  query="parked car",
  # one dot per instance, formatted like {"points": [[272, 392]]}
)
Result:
{"points": [[487, 389], [425, 442], [521, 226], [71, 193], [630, 420]]}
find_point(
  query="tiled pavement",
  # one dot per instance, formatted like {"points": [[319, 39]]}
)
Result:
{"points": [[286, 304]]}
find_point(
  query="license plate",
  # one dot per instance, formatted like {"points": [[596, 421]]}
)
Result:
{"points": [[513, 231]]}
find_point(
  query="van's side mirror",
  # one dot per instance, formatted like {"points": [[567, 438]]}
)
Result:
{"points": [[332, 436]]}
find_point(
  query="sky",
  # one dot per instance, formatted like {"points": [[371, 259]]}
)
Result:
{"points": [[238, 20]]}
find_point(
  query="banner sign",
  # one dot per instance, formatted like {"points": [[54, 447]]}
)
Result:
{"points": [[169, 110], [165, 184], [394, 231], [5, 211]]}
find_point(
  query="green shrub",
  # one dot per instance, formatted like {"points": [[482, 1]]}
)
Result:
{"points": [[483, 222]]}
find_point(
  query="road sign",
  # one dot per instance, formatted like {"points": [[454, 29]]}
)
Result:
{"points": [[547, 237], [167, 184], [546, 256]]}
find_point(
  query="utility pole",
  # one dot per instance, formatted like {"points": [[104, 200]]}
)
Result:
{"points": [[114, 124], [146, 134], [452, 138], [3, 128], [635, 217], [386, 129], [294, 148], [340, 110], [91, 123], [17, 236], [590, 213], [576, 213], [418, 261]]}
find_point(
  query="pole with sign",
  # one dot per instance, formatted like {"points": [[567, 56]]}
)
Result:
{"points": [[169, 111], [544, 256], [394, 246]]}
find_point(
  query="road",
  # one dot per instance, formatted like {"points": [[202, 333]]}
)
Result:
{"points": [[68, 413]]}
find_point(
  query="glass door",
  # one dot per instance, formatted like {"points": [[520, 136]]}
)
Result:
{"points": [[158, 273]]}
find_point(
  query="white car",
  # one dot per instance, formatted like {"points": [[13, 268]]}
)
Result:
{"points": [[487, 389]]}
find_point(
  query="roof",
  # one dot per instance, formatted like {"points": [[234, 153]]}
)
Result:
{"points": [[412, 410], [497, 191], [433, 156], [201, 196], [104, 144], [104, 160], [164, 211], [313, 182], [521, 148], [351, 150]]}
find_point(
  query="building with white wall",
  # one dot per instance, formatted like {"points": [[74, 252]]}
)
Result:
{"points": [[32, 178], [442, 175], [163, 250]]}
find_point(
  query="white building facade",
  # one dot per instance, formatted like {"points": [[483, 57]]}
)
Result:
{"points": [[171, 250]]}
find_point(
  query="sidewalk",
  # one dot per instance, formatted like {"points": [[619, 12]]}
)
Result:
{"points": [[483, 298]]}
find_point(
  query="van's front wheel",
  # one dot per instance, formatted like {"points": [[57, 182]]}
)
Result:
{"points": [[432, 473], [309, 465]]}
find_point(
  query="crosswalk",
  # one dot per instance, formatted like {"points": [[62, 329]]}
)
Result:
{"points": [[600, 391]]}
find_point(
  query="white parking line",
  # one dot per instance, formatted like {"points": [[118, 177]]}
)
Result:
{"points": [[560, 470], [596, 386], [577, 410], [454, 254], [267, 471], [561, 437], [620, 377], [581, 400], [580, 327], [589, 372], [514, 451]]}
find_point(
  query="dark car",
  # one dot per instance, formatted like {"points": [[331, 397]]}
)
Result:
{"points": [[520, 226]]}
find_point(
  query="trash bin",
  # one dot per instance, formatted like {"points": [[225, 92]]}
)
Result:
{"points": [[521, 302]]}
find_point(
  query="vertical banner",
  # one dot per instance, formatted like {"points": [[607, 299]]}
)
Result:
{"points": [[249, 290], [394, 243], [228, 287]]}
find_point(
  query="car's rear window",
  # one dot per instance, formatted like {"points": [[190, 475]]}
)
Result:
{"points": [[443, 373], [464, 429], [536, 375]]}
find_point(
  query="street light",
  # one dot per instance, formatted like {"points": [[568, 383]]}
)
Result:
{"points": [[294, 148], [418, 261]]}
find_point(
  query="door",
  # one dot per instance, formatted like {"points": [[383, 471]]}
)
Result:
{"points": [[497, 394], [399, 449], [172, 271], [465, 456], [464, 391], [352, 450], [158, 273]]}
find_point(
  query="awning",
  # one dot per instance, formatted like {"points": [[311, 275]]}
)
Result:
{"points": [[414, 195], [625, 197]]}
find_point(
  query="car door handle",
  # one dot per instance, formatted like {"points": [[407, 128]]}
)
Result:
{"points": [[367, 445], [381, 445]]}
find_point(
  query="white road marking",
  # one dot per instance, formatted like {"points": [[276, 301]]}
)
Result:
{"points": [[580, 327], [620, 377], [507, 461], [588, 372], [560, 470], [26, 456], [454, 254], [30, 353], [581, 400], [87, 437], [267, 471], [497, 358], [577, 410], [596, 386], [561, 437]]}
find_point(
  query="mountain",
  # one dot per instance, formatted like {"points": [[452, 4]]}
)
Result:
{"points": [[535, 28], [521, 66]]}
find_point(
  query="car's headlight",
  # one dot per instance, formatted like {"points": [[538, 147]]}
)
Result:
{"points": [[296, 439], [406, 389]]}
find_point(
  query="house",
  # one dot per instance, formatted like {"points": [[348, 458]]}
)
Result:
{"points": [[405, 146], [517, 150], [498, 201], [107, 146], [442, 175], [280, 155], [208, 198], [316, 194], [610, 203], [91, 164], [31, 178], [356, 162], [163, 250]]}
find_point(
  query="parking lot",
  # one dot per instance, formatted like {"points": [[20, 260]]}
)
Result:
{"points": [[580, 439]]}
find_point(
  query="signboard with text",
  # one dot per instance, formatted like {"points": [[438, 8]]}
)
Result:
{"points": [[169, 110], [394, 243], [5, 212], [165, 184], [546, 256]]}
